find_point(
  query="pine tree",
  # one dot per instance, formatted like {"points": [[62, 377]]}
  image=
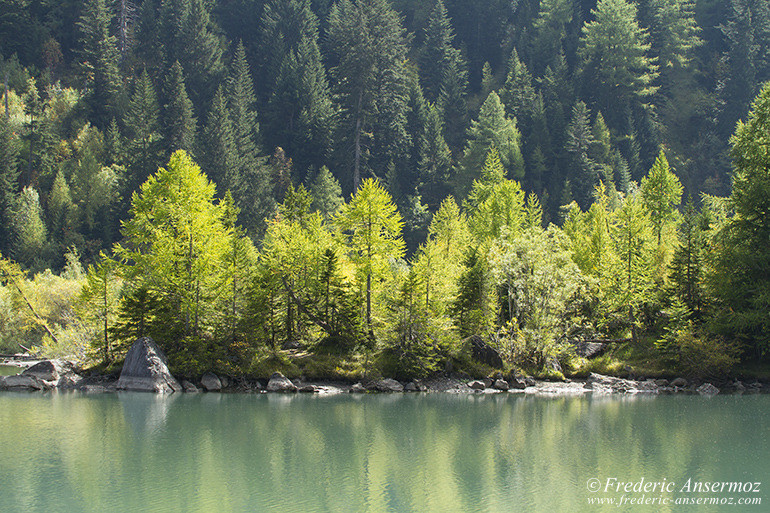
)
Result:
{"points": [[300, 114], [439, 57], [615, 60], [435, 161], [518, 94], [367, 50], [180, 123], [583, 171], [99, 61], [251, 183], [219, 155], [454, 107], [326, 193], [143, 132], [9, 174], [674, 32], [491, 129]]}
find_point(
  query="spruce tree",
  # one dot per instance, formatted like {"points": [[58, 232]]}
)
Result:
{"points": [[439, 56], [550, 31], [518, 94], [583, 170], [454, 107], [9, 174], [435, 161], [492, 129], [219, 154], [367, 50], [180, 123], [143, 133], [250, 184], [618, 70], [326, 194], [300, 114], [98, 56]]}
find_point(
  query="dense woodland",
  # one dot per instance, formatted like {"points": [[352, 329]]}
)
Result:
{"points": [[377, 180]]}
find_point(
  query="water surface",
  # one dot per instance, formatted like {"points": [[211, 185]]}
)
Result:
{"points": [[129, 452]]}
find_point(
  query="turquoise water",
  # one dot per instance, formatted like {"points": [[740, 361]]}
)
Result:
{"points": [[69, 452]]}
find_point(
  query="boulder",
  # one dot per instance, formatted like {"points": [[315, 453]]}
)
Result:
{"points": [[530, 381], [501, 384], [189, 387], [387, 385], [517, 382], [477, 385], [146, 369], [415, 386], [679, 383], [279, 383], [211, 382], [357, 388], [21, 382], [590, 349], [309, 389], [662, 382], [707, 389], [484, 353], [46, 370]]}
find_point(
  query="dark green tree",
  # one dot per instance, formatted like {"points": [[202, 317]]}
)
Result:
{"points": [[9, 174], [98, 55], [741, 277], [180, 123], [471, 309], [367, 51], [435, 161], [144, 134], [219, 154], [439, 57]]}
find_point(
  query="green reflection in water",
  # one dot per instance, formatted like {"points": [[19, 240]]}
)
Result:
{"points": [[399, 453]]}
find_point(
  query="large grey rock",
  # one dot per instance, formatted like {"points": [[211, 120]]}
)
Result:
{"points": [[503, 385], [46, 370], [679, 382], [707, 389], [357, 388], [590, 349], [387, 385], [477, 385], [211, 383], [189, 387], [484, 353], [21, 382], [279, 383], [146, 369], [611, 385]]}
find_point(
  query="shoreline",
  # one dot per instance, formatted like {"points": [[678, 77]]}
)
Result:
{"points": [[49, 375]]}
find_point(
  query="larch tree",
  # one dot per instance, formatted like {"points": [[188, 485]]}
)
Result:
{"points": [[371, 226]]}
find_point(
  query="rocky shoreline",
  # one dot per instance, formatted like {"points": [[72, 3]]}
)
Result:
{"points": [[51, 375], [146, 369]]}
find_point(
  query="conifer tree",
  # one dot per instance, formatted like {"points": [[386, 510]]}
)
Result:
{"points": [[583, 172], [454, 107], [30, 235], [615, 60], [550, 31], [491, 129], [219, 151], [180, 123], [439, 56], [300, 114], [60, 208], [518, 94], [435, 161], [326, 194], [9, 174], [367, 51], [143, 132], [99, 61], [661, 194]]}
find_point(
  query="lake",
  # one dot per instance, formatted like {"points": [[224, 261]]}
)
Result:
{"points": [[131, 452]]}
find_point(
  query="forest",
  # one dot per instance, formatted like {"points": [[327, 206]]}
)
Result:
{"points": [[370, 183]]}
